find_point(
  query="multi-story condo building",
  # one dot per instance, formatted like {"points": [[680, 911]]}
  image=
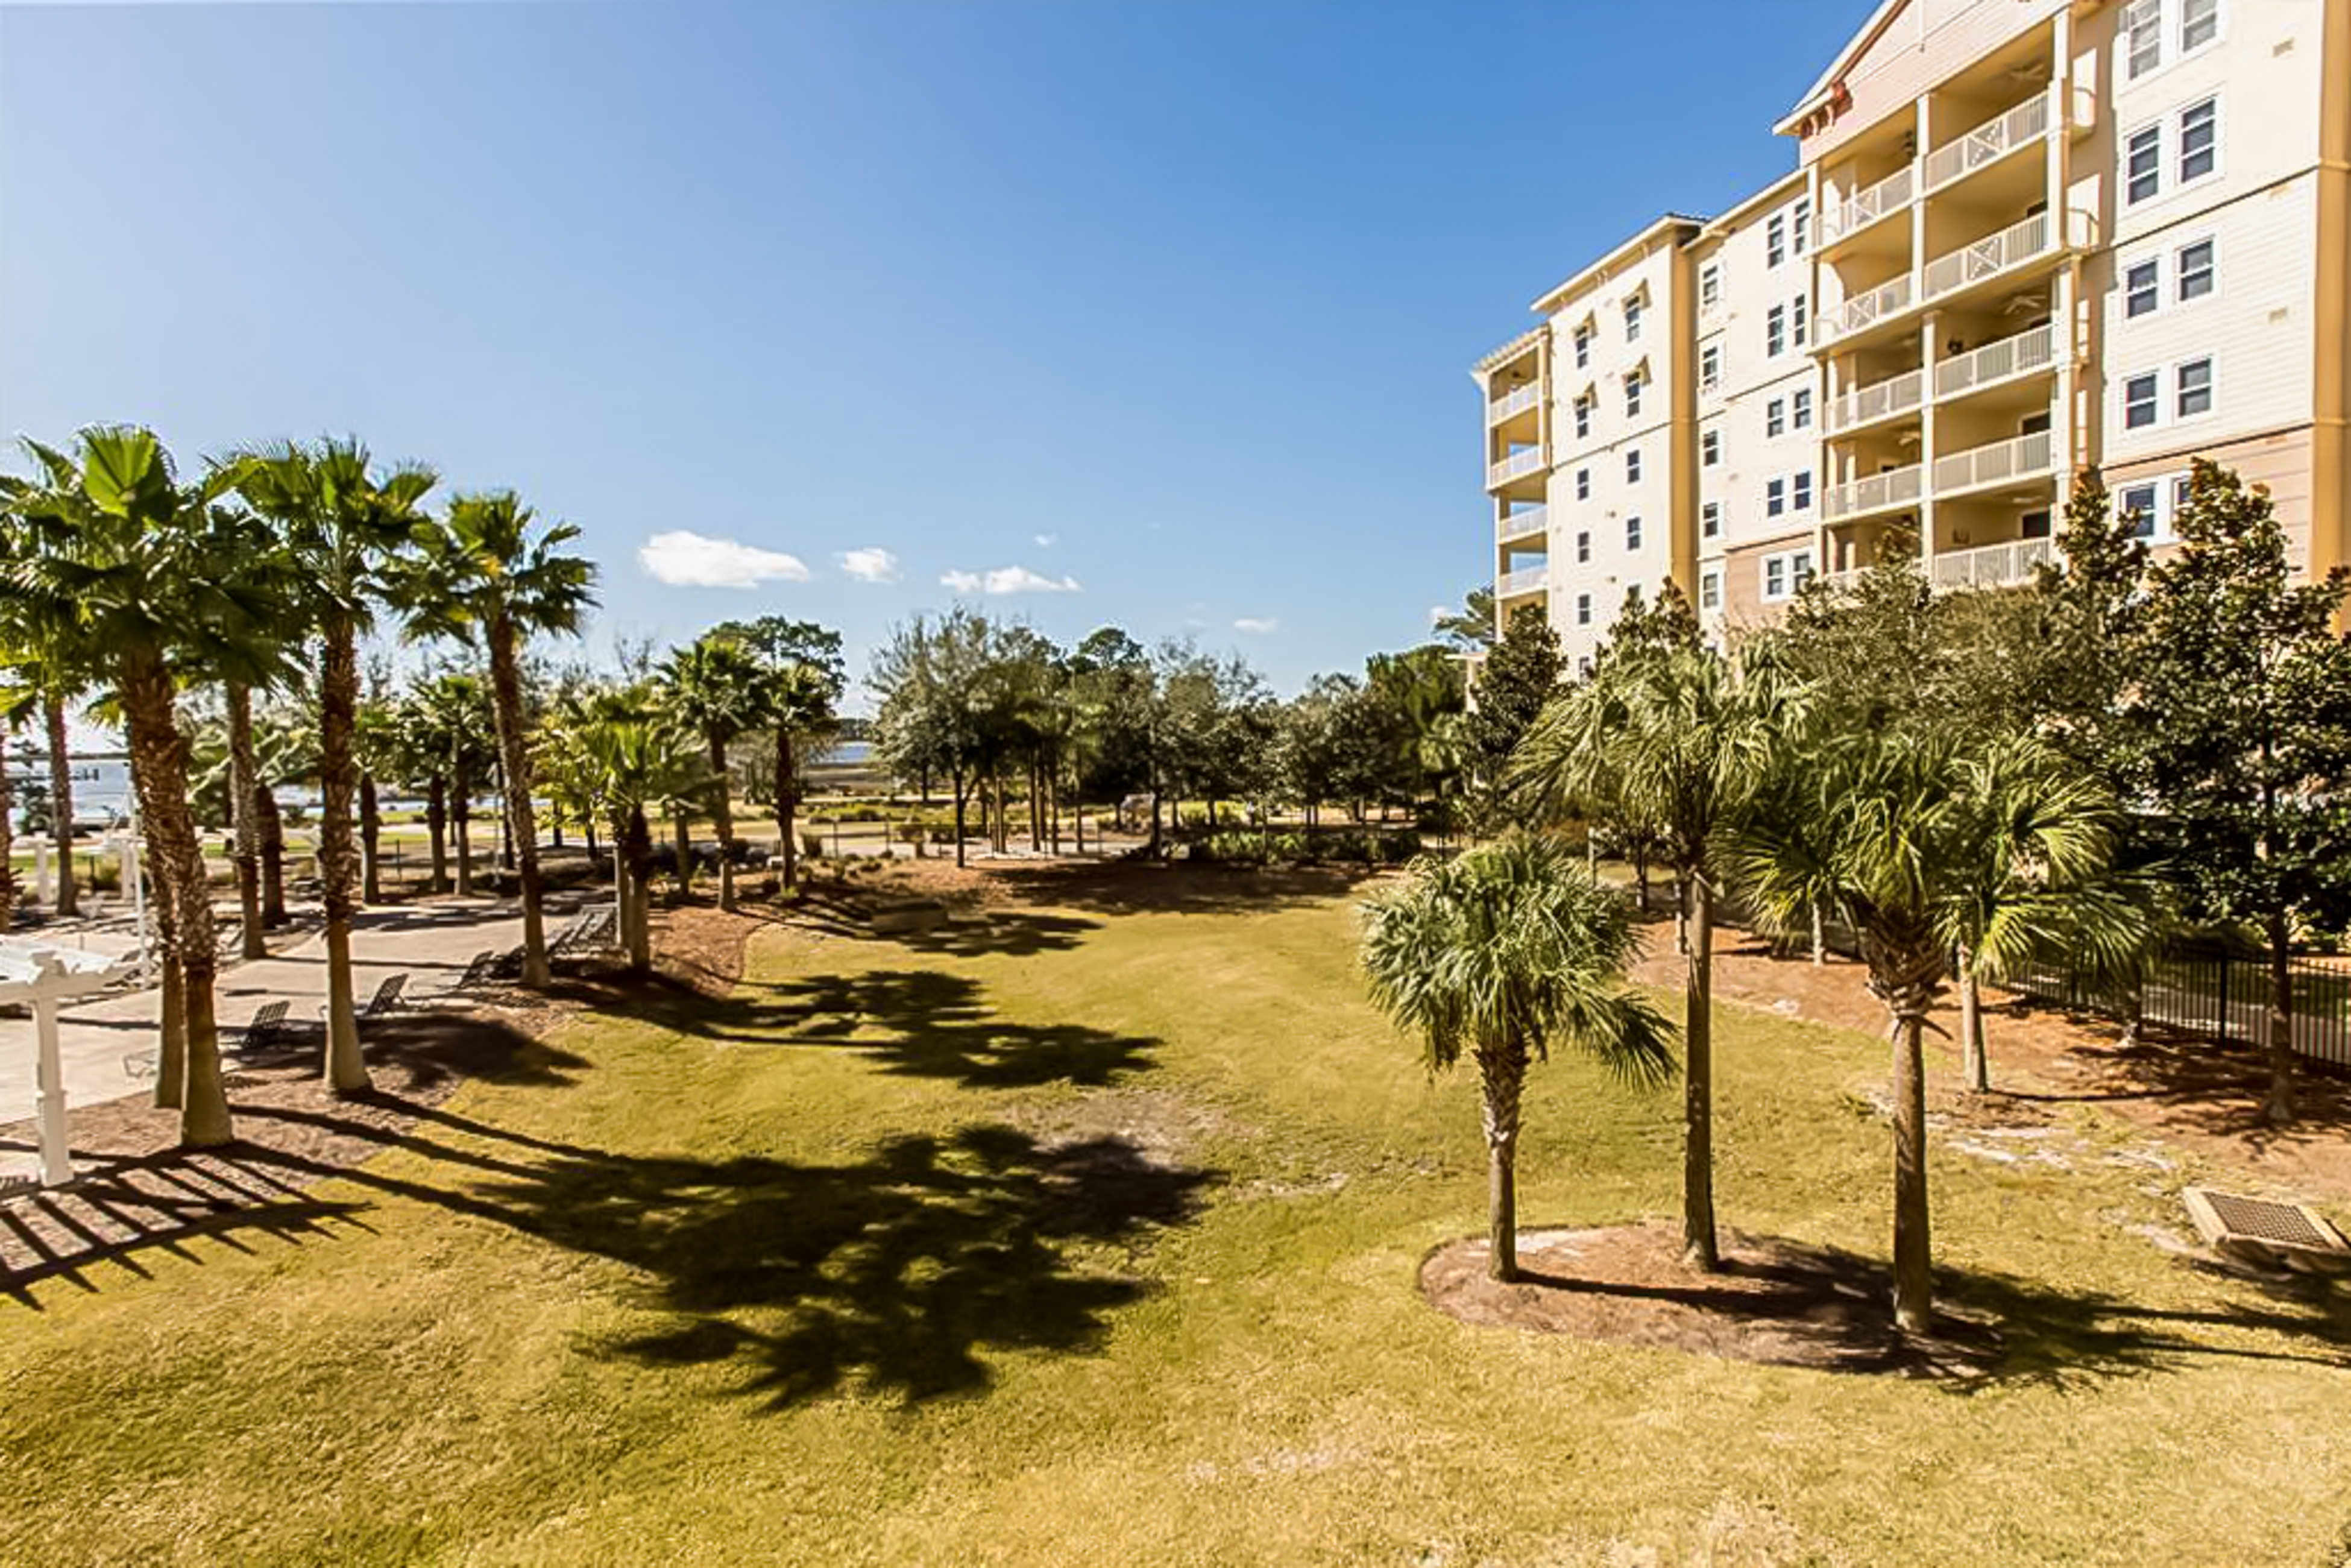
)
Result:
{"points": [[2023, 237]]}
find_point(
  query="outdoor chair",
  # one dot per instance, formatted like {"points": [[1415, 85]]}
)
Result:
{"points": [[477, 973], [268, 1023]]}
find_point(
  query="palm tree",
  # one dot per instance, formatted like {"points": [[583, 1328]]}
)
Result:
{"points": [[1503, 950], [342, 524], [1679, 736], [134, 575], [798, 700], [617, 752], [483, 573], [1901, 826], [715, 689]]}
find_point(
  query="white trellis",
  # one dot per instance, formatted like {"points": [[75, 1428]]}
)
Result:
{"points": [[48, 977]]}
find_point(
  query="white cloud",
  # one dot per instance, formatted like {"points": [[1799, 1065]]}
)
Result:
{"points": [[1008, 580], [1257, 625], [684, 558], [1047, 541], [1438, 612], [870, 564]]}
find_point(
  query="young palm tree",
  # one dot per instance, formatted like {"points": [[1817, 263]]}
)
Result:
{"points": [[799, 704], [619, 750], [342, 524], [717, 691], [1676, 736], [134, 576], [482, 573], [1501, 952], [1902, 826]]}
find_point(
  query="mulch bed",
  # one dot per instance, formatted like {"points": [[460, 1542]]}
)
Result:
{"points": [[1777, 1302]]}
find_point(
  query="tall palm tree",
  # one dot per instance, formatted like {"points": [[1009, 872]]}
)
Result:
{"points": [[33, 672], [1501, 952], [717, 690], [1679, 736], [1900, 825], [135, 575], [343, 523], [483, 573]]}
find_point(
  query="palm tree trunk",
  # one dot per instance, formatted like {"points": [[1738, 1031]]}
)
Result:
{"points": [[436, 829], [1503, 1073], [7, 837], [722, 809], [1914, 1281], [955, 782], [161, 775], [1698, 1249], [245, 820], [506, 689], [371, 842], [272, 855], [344, 1070], [786, 792], [683, 831], [2279, 1105], [640, 861], [1975, 1066], [461, 813], [68, 899], [1820, 938]]}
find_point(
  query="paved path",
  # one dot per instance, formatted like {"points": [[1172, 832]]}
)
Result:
{"points": [[431, 942]]}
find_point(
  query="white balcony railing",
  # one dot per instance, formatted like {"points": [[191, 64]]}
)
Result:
{"points": [[1989, 257], [1880, 399], [1994, 465], [1515, 403], [2031, 351], [1526, 579], [1867, 205], [1989, 142], [1522, 524], [1992, 566], [1516, 464], [1874, 493], [1887, 299]]}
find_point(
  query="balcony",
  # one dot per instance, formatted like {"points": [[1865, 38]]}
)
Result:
{"points": [[1880, 400], [1866, 310], [1516, 466], [1525, 580], [1866, 206], [1531, 523], [2027, 456], [1989, 257], [1995, 362], [1894, 489], [1990, 142], [1514, 403], [1992, 566]]}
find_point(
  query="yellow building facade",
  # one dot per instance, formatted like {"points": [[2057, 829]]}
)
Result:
{"points": [[2023, 237]]}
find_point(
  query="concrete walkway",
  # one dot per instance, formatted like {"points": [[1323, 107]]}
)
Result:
{"points": [[431, 942]]}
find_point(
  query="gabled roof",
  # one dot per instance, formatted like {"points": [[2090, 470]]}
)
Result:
{"points": [[1857, 46]]}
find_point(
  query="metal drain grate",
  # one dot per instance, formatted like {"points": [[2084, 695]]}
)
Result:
{"points": [[2266, 1231]]}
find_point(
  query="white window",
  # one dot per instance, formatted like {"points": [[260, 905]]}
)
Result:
{"points": [[1583, 618], [2142, 32], [1709, 367], [1583, 415], [1775, 578], [1800, 316], [1584, 484], [1802, 407], [1709, 285], [2143, 165], [1800, 223], [1775, 330], [2199, 24], [1800, 566], [1775, 417], [1583, 547], [2195, 270], [1633, 392], [2200, 139], [1775, 240], [2142, 287], [1709, 519], [1632, 466], [1584, 346], [1633, 319], [2194, 383], [1710, 448], [1800, 490], [1709, 590], [2141, 403], [1775, 498], [1584, 660], [2139, 503], [1632, 533]]}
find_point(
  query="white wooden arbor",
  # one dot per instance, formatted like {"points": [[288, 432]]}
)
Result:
{"points": [[46, 977]]}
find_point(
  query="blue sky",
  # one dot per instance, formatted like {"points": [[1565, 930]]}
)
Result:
{"points": [[1148, 314]]}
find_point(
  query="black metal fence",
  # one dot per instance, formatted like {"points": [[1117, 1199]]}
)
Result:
{"points": [[2217, 994]]}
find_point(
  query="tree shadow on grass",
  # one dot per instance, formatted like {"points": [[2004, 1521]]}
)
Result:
{"points": [[2208, 1087], [1142, 886], [918, 1023]]}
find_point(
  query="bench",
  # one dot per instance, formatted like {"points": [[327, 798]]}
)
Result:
{"points": [[268, 1023]]}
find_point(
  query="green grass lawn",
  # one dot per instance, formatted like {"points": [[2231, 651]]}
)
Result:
{"points": [[868, 1264]]}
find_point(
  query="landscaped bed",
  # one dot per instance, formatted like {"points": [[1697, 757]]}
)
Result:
{"points": [[1091, 1227]]}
